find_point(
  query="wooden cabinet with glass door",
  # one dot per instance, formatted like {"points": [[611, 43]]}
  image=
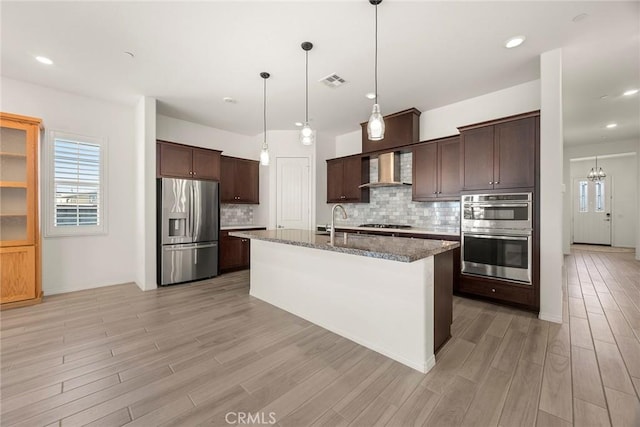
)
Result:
{"points": [[19, 227]]}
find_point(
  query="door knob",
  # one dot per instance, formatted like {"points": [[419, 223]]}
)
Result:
{"points": [[490, 182]]}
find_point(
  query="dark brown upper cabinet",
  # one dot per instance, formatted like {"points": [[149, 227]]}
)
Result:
{"points": [[183, 161], [500, 154], [436, 171], [344, 176], [402, 128], [239, 180]]}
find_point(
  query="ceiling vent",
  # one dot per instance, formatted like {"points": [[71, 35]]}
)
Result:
{"points": [[333, 80]]}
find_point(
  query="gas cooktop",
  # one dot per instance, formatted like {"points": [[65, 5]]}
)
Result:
{"points": [[385, 226]]}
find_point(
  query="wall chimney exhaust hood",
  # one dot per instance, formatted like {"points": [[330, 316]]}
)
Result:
{"points": [[388, 172]]}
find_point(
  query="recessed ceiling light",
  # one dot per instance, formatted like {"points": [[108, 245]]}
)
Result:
{"points": [[298, 123], [229, 100], [370, 95], [514, 42], [44, 60], [630, 92], [611, 125], [581, 17]]}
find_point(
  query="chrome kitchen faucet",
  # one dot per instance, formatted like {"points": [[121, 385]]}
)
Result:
{"points": [[333, 227]]}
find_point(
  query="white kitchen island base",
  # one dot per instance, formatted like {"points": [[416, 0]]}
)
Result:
{"points": [[386, 306]]}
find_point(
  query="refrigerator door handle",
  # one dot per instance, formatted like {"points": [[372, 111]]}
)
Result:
{"points": [[191, 207], [187, 247]]}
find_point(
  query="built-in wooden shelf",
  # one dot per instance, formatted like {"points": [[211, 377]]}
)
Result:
{"points": [[13, 184], [20, 281], [9, 154]]}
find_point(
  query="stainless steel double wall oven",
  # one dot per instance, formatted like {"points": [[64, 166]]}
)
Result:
{"points": [[496, 236]]}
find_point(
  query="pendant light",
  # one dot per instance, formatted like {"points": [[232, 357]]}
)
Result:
{"points": [[375, 127], [264, 154], [596, 174], [307, 135]]}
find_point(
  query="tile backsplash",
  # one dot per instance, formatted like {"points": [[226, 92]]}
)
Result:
{"points": [[394, 205], [231, 214]]}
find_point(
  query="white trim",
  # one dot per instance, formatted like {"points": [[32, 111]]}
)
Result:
{"points": [[49, 188], [549, 317], [604, 156]]}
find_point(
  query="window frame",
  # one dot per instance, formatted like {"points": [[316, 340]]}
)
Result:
{"points": [[599, 197], [583, 185], [49, 209]]}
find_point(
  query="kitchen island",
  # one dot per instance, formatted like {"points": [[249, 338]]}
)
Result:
{"points": [[390, 294]]}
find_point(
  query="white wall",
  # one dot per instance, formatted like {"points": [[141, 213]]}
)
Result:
{"points": [[189, 133], [348, 143], [621, 170], [73, 263], [444, 121]]}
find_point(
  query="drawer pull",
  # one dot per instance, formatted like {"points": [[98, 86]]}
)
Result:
{"points": [[493, 289]]}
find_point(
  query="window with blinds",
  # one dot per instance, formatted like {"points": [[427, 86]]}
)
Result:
{"points": [[77, 185]]}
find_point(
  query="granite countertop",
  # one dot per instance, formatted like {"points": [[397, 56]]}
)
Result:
{"points": [[384, 247], [413, 230], [241, 227]]}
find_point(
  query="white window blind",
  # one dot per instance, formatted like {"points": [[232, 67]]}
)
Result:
{"points": [[76, 200]]}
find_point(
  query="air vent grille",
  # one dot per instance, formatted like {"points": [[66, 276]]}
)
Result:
{"points": [[333, 80]]}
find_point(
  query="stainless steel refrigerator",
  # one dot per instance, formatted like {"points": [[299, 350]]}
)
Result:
{"points": [[188, 224]]}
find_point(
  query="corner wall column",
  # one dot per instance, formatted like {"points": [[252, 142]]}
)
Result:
{"points": [[145, 190], [551, 196]]}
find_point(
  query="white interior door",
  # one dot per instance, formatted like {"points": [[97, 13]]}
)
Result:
{"points": [[293, 193], [592, 203]]}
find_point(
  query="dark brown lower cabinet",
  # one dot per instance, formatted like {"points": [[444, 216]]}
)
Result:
{"points": [[523, 296], [443, 267], [235, 252]]}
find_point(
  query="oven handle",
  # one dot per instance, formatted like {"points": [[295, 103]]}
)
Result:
{"points": [[501, 205], [487, 236]]}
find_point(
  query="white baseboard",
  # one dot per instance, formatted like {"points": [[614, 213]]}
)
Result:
{"points": [[550, 317]]}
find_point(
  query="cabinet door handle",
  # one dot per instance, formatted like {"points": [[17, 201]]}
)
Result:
{"points": [[497, 182], [435, 192], [493, 289], [490, 182], [194, 173]]}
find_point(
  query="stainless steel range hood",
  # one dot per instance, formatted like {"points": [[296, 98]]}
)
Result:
{"points": [[388, 171]]}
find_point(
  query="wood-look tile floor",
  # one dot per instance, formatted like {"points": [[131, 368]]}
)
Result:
{"points": [[191, 354]]}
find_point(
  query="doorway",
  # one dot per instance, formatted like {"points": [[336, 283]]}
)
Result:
{"points": [[293, 200], [592, 202]]}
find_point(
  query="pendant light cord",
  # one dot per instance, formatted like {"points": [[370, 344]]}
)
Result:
{"points": [[264, 111], [376, 57], [306, 114]]}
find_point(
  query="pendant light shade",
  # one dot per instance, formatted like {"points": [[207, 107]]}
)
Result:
{"points": [[375, 127], [264, 153], [307, 135], [596, 174]]}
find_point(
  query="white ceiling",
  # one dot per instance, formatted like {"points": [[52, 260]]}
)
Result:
{"points": [[189, 55]]}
